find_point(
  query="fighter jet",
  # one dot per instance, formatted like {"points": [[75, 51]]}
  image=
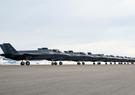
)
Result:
{"points": [[55, 55], [40, 54]]}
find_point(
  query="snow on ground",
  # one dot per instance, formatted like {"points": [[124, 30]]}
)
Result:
{"points": [[42, 62]]}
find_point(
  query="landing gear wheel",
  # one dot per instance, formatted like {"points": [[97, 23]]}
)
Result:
{"points": [[52, 63], [22, 63], [55, 63], [98, 63], [27, 63], [78, 63], [60, 63], [132, 62], [83, 63]]}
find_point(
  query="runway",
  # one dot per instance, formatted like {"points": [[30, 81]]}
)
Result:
{"points": [[67, 80]]}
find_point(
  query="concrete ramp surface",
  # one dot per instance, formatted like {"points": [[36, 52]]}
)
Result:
{"points": [[67, 80]]}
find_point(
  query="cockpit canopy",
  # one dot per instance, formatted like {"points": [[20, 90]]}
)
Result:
{"points": [[44, 48], [89, 53], [98, 54], [81, 53], [55, 50], [70, 51]]}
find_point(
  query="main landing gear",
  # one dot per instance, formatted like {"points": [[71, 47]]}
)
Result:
{"points": [[22, 63], [79, 63], [55, 63], [25, 63]]}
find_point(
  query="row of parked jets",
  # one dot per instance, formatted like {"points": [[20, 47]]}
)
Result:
{"points": [[55, 56]]}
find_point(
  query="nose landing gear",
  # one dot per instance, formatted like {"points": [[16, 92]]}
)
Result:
{"points": [[60, 63]]}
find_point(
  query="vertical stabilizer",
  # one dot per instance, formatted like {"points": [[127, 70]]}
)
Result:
{"points": [[8, 48]]}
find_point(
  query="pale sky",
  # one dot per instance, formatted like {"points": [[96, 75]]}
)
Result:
{"points": [[98, 26]]}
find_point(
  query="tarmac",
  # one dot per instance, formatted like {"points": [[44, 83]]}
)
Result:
{"points": [[67, 80]]}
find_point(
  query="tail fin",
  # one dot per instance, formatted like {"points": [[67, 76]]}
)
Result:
{"points": [[8, 48]]}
